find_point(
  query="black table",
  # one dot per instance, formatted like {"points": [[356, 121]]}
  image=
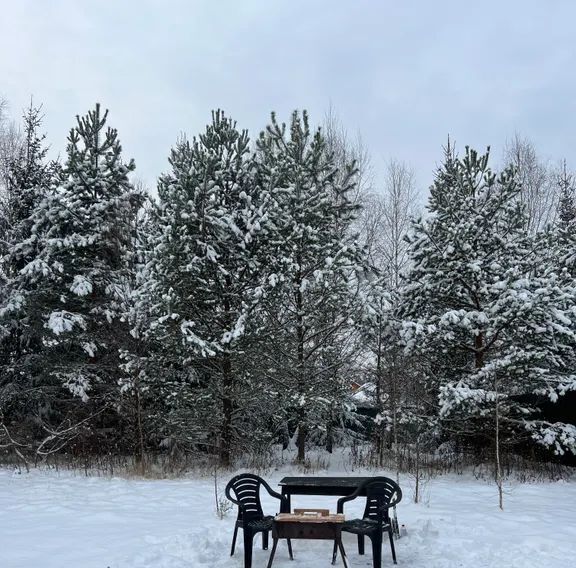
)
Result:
{"points": [[314, 485], [337, 486]]}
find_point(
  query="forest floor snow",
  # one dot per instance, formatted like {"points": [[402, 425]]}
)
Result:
{"points": [[67, 520]]}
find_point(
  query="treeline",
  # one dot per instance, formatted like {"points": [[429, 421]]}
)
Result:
{"points": [[234, 311]]}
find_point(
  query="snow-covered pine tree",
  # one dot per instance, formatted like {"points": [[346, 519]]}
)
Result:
{"points": [[136, 402], [82, 237], [28, 180], [204, 279], [316, 270], [495, 321], [567, 202], [563, 241]]}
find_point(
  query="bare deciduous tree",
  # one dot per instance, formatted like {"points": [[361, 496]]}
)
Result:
{"points": [[539, 192], [10, 140], [386, 220], [346, 151]]}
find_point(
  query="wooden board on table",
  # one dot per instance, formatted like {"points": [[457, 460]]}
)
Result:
{"points": [[312, 512], [292, 518]]}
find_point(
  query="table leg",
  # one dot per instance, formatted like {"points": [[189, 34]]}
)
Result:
{"points": [[290, 548], [274, 545]]}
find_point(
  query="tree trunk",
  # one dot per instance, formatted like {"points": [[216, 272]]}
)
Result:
{"points": [[140, 454], [417, 471], [379, 434], [479, 363], [497, 448], [330, 432], [227, 411], [302, 429], [394, 412], [301, 441], [478, 350]]}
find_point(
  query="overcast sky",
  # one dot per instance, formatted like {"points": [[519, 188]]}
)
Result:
{"points": [[404, 74]]}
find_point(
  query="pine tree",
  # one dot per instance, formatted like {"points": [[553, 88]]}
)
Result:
{"points": [[567, 203], [204, 281], [81, 238], [562, 244], [136, 403], [317, 269], [28, 178], [492, 317]]}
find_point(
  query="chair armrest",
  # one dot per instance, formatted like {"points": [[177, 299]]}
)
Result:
{"points": [[284, 499], [351, 497], [271, 491], [229, 496], [359, 489]]}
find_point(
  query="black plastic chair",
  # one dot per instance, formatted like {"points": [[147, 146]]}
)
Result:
{"points": [[246, 489], [382, 494]]}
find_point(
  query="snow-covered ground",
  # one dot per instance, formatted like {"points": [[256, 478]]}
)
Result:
{"points": [[66, 520]]}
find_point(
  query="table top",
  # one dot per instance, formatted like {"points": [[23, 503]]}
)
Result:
{"points": [[317, 481]]}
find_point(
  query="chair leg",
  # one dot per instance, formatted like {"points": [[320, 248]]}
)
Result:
{"points": [[342, 552], [335, 552], [392, 546], [290, 548], [361, 544], [265, 540], [248, 542], [376, 550], [234, 540]]}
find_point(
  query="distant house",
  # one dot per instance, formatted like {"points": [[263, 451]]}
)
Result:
{"points": [[355, 386]]}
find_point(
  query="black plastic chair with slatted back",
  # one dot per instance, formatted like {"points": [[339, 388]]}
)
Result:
{"points": [[251, 518], [382, 494]]}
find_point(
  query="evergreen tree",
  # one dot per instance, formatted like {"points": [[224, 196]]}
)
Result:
{"points": [[28, 179], [136, 403], [317, 267], [494, 320], [563, 242], [78, 256], [204, 280], [567, 204]]}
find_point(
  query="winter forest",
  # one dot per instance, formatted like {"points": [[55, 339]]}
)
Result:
{"points": [[268, 294]]}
